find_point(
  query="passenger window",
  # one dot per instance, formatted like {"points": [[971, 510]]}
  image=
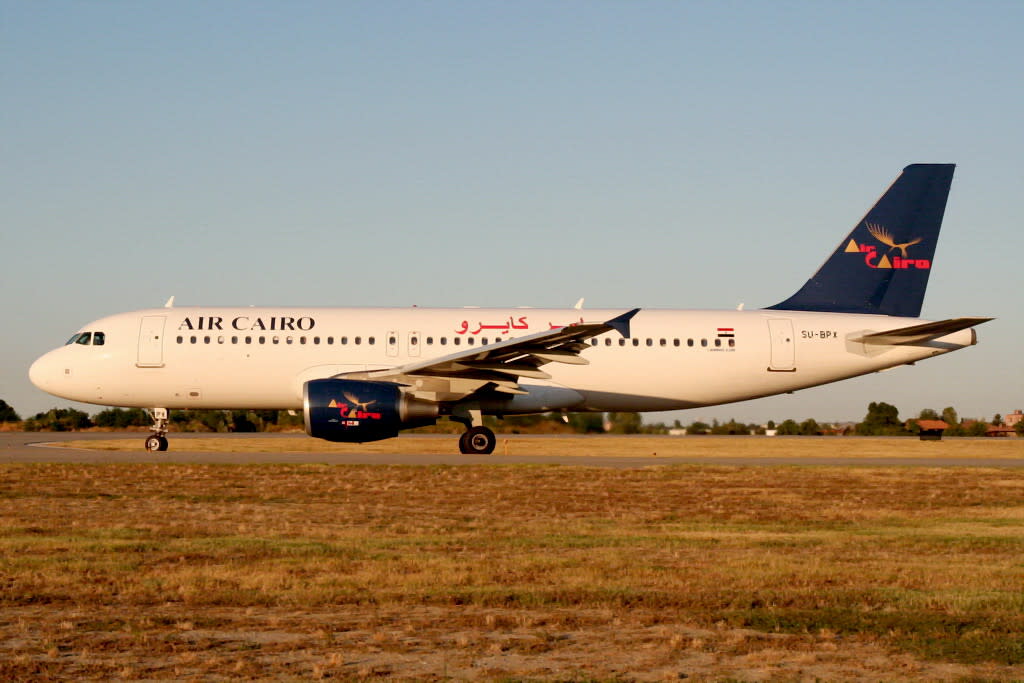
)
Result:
{"points": [[180, 339], [622, 342], [608, 342], [457, 341], [330, 340], [302, 340], [248, 340], [357, 341], [650, 342], [234, 340], [98, 339], [191, 340], [220, 339], [84, 338], [732, 342], [703, 342], [636, 342], [593, 342], [469, 340], [444, 341], [316, 340], [275, 340], [392, 340], [675, 342], [371, 341], [689, 342], [288, 340], [263, 340], [663, 342], [430, 341], [718, 342], [343, 340], [206, 340]]}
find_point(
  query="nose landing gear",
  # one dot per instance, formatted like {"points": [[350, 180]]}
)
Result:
{"points": [[157, 441]]}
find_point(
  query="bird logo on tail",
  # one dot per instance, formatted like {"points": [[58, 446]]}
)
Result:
{"points": [[885, 237]]}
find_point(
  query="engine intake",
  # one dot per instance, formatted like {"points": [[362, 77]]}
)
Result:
{"points": [[359, 411]]}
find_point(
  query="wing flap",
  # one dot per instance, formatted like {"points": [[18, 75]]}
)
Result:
{"points": [[499, 366]]}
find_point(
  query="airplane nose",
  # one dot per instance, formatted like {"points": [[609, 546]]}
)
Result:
{"points": [[41, 373]]}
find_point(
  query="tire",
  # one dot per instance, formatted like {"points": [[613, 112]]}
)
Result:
{"points": [[477, 441], [156, 443]]}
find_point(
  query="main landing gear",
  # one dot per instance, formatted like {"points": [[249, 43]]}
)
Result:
{"points": [[477, 439], [157, 441]]}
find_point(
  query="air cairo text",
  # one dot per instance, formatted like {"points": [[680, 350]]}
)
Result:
{"points": [[244, 322]]}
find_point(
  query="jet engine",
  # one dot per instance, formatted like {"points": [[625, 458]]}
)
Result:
{"points": [[359, 411]]}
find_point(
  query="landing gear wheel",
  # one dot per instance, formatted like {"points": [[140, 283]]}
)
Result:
{"points": [[156, 443], [477, 441]]}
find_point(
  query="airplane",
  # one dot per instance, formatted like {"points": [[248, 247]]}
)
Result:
{"points": [[364, 374]]}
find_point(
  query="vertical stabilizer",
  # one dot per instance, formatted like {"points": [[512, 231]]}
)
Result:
{"points": [[882, 266]]}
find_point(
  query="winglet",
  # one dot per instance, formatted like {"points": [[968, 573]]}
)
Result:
{"points": [[621, 323]]}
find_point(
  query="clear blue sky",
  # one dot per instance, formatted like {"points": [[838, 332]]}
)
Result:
{"points": [[684, 155]]}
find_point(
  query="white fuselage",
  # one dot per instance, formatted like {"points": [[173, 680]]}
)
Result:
{"points": [[237, 358]]}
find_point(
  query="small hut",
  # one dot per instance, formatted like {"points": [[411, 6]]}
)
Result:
{"points": [[931, 430]]}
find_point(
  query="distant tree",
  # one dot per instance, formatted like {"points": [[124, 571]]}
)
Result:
{"points": [[7, 413], [771, 424], [882, 419], [243, 421], [587, 423], [977, 428], [788, 428], [119, 418], [731, 427], [997, 420], [949, 416], [1019, 428], [810, 428], [58, 420], [625, 423], [698, 427], [286, 420], [928, 414]]}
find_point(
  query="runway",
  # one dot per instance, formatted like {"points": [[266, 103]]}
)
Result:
{"points": [[45, 447]]}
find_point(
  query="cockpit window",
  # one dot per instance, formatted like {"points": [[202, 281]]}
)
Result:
{"points": [[73, 339], [84, 339], [98, 339]]}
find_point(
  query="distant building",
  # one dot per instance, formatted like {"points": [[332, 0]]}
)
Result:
{"points": [[1013, 418], [931, 430], [1000, 430]]}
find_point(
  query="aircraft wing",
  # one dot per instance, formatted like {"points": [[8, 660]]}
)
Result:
{"points": [[918, 334], [497, 366]]}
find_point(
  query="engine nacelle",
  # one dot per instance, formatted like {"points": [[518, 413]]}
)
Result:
{"points": [[359, 411]]}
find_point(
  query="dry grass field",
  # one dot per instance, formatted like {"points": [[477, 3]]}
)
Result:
{"points": [[611, 446], [214, 572]]}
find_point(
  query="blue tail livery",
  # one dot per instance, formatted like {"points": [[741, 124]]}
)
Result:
{"points": [[882, 266]]}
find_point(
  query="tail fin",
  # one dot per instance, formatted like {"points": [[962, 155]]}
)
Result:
{"points": [[882, 266]]}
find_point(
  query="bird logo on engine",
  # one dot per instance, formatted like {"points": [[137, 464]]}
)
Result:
{"points": [[353, 410]]}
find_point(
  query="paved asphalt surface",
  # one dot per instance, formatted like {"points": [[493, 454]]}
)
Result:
{"points": [[29, 447]]}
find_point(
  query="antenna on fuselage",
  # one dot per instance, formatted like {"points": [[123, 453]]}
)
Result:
{"points": [[170, 303]]}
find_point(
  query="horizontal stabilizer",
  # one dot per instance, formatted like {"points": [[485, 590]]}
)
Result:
{"points": [[916, 334]]}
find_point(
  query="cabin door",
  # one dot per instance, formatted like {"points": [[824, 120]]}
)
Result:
{"points": [[783, 354], [151, 342]]}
